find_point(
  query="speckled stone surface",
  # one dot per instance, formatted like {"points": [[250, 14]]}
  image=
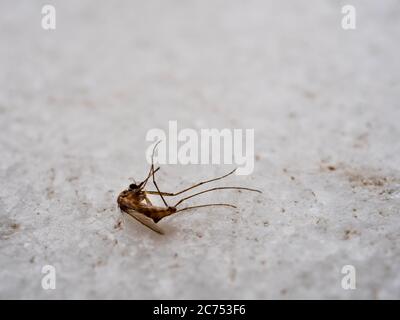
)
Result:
{"points": [[75, 106]]}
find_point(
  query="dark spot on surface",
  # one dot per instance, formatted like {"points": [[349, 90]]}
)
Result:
{"points": [[283, 210], [292, 177], [32, 260], [8, 228], [388, 191], [324, 166], [15, 226], [118, 225], [348, 233], [283, 291]]}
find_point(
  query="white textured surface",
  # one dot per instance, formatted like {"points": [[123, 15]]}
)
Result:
{"points": [[76, 103]]}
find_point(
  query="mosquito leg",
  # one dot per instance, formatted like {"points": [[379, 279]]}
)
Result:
{"points": [[148, 200], [165, 194], [207, 205], [170, 194], [213, 189], [158, 189]]}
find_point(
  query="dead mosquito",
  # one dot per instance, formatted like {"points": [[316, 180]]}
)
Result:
{"points": [[135, 202]]}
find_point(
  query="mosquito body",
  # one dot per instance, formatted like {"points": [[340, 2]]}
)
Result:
{"points": [[135, 201]]}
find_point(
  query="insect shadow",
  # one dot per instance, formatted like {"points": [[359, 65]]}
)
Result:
{"points": [[135, 201]]}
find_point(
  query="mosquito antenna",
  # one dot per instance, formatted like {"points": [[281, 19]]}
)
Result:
{"points": [[151, 171]]}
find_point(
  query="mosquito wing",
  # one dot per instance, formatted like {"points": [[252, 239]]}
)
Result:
{"points": [[148, 222]]}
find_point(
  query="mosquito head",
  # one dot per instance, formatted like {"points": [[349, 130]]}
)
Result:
{"points": [[135, 187]]}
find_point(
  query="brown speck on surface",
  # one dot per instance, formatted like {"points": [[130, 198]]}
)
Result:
{"points": [[326, 166], [15, 226], [73, 178], [283, 291], [258, 158], [199, 235], [98, 263], [118, 225], [349, 233], [366, 179], [293, 178]]}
